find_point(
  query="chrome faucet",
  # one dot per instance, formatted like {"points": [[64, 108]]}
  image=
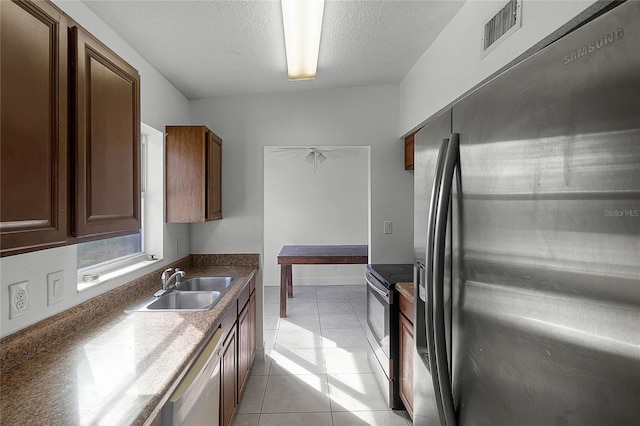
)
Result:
{"points": [[166, 278]]}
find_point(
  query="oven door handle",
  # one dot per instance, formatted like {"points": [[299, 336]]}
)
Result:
{"points": [[377, 290]]}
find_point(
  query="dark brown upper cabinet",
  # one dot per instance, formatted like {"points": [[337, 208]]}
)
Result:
{"points": [[408, 152], [70, 131], [33, 158], [106, 140], [193, 174]]}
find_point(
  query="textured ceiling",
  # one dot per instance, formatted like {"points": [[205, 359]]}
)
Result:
{"points": [[221, 48]]}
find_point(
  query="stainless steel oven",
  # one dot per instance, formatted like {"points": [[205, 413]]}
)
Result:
{"points": [[382, 324], [379, 303]]}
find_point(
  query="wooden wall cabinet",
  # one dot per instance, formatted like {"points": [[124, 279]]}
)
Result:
{"points": [[106, 136], [70, 111], [406, 343], [408, 152], [33, 158], [193, 174]]}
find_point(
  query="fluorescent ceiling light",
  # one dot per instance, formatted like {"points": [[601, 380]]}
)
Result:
{"points": [[302, 26]]}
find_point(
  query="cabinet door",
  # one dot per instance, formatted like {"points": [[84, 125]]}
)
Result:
{"points": [[106, 135], [193, 174], [228, 384], [244, 347], [214, 176], [408, 152], [406, 363], [253, 320], [185, 163], [33, 158]]}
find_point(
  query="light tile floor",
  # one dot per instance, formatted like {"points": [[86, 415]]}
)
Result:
{"points": [[316, 371]]}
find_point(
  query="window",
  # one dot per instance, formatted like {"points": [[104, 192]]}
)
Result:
{"points": [[103, 260], [99, 252]]}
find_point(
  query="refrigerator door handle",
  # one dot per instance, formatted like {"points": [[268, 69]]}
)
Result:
{"points": [[444, 395]]}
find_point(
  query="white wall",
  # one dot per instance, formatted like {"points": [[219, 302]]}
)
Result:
{"points": [[452, 64], [356, 116], [328, 204], [161, 104]]}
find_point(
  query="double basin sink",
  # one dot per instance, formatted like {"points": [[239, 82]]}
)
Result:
{"points": [[191, 295]]}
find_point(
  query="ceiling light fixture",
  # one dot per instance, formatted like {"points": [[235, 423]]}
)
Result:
{"points": [[313, 157], [302, 26]]}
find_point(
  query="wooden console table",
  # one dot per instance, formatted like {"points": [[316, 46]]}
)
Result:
{"points": [[314, 255]]}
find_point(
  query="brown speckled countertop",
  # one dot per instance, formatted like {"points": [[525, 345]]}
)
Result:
{"points": [[406, 289], [112, 368]]}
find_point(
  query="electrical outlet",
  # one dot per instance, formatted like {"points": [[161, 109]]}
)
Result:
{"points": [[179, 246], [55, 287], [19, 299], [388, 227]]}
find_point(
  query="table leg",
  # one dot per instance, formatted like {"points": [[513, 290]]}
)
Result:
{"points": [[290, 280], [283, 290]]}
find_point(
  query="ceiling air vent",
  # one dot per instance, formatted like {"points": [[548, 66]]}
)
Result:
{"points": [[501, 25]]}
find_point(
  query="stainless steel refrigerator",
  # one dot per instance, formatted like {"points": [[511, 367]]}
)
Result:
{"points": [[527, 240]]}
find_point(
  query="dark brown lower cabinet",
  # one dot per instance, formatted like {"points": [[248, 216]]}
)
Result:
{"points": [[246, 342], [228, 381], [244, 334], [254, 322], [406, 343], [238, 351]]}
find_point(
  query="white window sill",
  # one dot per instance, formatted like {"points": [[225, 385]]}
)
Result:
{"points": [[113, 271]]}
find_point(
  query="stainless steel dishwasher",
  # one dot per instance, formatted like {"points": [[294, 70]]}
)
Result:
{"points": [[196, 400]]}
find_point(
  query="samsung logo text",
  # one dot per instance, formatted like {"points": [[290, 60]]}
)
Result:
{"points": [[603, 41], [622, 213]]}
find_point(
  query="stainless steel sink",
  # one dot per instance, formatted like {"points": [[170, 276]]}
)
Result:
{"points": [[186, 301], [205, 284], [192, 295], [178, 301]]}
